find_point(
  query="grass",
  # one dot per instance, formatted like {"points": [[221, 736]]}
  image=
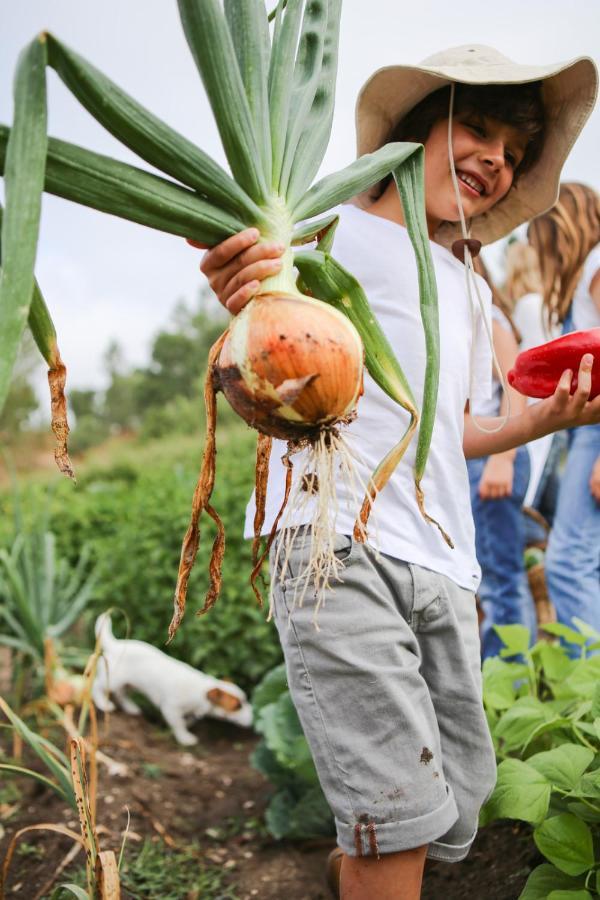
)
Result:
{"points": [[156, 871]]}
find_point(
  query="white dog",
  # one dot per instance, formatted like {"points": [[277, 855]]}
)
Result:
{"points": [[178, 690]]}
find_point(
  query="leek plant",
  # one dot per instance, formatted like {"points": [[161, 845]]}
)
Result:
{"points": [[67, 777], [272, 95]]}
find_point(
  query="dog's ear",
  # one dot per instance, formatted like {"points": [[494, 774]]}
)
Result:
{"points": [[226, 701]]}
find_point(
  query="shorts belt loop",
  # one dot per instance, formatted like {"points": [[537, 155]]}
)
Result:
{"points": [[425, 590]]}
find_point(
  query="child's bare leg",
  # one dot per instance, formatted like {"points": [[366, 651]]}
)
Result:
{"points": [[394, 876]]}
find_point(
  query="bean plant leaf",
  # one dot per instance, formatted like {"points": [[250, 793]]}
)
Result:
{"points": [[595, 710], [520, 793], [515, 639], [584, 678], [570, 895], [563, 766], [501, 682], [586, 629], [567, 842], [589, 785], [518, 723], [547, 878], [554, 660], [563, 631]]}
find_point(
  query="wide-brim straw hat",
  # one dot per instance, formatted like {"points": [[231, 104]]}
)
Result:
{"points": [[568, 93]]}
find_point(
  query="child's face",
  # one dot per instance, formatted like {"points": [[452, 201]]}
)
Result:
{"points": [[486, 154]]}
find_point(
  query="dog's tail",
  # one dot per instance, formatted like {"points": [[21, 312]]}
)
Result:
{"points": [[103, 629]]}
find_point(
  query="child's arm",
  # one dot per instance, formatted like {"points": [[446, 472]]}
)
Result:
{"points": [[595, 481], [562, 410], [497, 476]]}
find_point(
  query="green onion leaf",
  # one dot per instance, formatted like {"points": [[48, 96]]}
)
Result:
{"points": [[281, 80], [249, 28], [321, 231], [307, 73], [359, 175], [24, 182], [209, 40], [147, 135], [317, 129], [122, 190]]}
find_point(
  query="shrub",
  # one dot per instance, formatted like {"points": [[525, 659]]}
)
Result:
{"points": [[134, 513], [298, 808], [544, 716]]}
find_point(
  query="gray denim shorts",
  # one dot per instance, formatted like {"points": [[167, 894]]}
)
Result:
{"points": [[388, 691]]}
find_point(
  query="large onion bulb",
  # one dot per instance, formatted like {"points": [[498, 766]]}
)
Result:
{"points": [[291, 365]]}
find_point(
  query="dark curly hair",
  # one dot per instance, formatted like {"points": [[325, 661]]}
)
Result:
{"points": [[519, 105]]}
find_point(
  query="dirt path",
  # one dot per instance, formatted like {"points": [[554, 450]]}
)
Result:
{"points": [[210, 794]]}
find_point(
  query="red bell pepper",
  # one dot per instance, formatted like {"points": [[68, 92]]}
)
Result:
{"points": [[537, 371]]}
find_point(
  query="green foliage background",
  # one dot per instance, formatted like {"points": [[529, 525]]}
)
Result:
{"points": [[132, 508]]}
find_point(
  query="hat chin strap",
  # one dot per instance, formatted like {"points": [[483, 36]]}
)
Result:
{"points": [[466, 249]]}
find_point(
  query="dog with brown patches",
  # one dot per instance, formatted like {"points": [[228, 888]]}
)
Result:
{"points": [[177, 689]]}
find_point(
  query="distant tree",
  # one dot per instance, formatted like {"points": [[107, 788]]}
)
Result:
{"points": [[179, 354], [83, 402], [177, 362]]}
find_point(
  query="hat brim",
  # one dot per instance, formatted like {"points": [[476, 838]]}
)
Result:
{"points": [[568, 93]]}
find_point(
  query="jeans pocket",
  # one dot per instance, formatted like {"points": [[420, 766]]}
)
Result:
{"points": [[295, 559]]}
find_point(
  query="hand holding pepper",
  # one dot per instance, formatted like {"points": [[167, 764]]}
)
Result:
{"points": [[569, 410], [559, 411]]}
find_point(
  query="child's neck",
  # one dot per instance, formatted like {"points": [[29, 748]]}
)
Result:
{"points": [[388, 206]]}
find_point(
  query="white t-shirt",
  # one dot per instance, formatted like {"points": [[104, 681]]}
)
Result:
{"points": [[528, 318], [585, 312], [491, 406], [379, 254]]}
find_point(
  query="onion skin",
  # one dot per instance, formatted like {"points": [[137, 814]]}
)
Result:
{"points": [[291, 365], [537, 371]]}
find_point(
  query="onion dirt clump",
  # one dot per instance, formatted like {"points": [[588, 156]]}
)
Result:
{"points": [[291, 365]]}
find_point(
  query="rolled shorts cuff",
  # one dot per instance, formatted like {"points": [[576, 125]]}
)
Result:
{"points": [[450, 852], [370, 838]]}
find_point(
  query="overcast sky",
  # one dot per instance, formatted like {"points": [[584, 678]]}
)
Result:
{"points": [[104, 278]]}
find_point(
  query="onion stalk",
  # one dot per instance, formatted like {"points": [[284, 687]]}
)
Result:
{"points": [[272, 95]]}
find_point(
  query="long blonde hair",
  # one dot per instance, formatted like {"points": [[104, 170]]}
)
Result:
{"points": [[499, 298], [522, 272], [562, 238]]}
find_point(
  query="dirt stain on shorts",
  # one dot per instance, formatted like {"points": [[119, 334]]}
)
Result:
{"points": [[426, 756]]}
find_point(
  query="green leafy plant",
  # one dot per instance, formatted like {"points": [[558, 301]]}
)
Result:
{"points": [[298, 808], [544, 716], [41, 594], [131, 512]]}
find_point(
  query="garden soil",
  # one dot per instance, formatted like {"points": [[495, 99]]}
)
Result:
{"points": [[211, 795]]}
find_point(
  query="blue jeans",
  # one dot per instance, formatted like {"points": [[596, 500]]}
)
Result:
{"points": [[499, 543], [573, 554]]}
